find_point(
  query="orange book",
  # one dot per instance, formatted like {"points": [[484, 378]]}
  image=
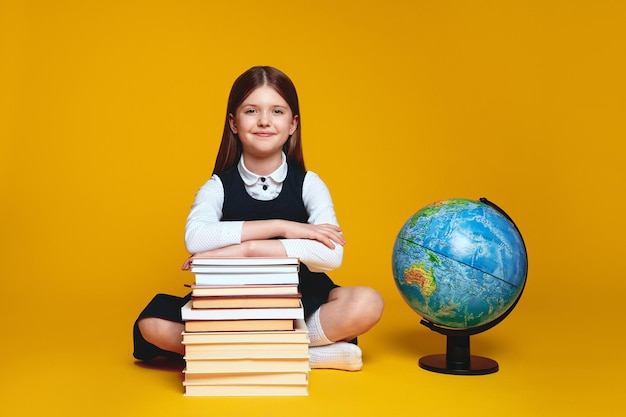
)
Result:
{"points": [[228, 365], [259, 350], [246, 378]]}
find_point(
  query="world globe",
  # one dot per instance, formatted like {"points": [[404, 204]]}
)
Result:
{"points": [[462, 265]]}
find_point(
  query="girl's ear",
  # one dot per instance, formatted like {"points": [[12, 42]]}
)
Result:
{"points": [[294, 125], [231, 122]]}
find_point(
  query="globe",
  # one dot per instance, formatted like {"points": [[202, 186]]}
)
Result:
{"points": [[461, 264]]}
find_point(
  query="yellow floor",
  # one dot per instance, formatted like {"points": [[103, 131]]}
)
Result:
{"points": [[544, 371]]}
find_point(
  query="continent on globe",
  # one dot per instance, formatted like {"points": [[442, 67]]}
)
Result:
{"points": [[423, 278], [432, 209]]}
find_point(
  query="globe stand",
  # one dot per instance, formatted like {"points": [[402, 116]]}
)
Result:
{"points": [[457, 359]]}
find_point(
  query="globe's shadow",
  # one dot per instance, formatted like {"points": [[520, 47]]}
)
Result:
{"points": [[421, 342], [416, 341]]}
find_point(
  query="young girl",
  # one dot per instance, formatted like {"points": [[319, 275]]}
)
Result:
{"points": [[260, 201]]}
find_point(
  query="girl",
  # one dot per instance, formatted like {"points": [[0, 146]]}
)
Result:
{"points": [[260, 201]]}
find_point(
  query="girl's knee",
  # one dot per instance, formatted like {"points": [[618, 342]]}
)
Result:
{"points": [[147, 326], [359, 307], [152, 329], [376, 305], [367, 305]]}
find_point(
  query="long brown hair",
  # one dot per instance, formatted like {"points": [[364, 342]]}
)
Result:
{"points": [[230, 148]]}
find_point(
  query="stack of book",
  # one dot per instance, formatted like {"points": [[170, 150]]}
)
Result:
{"points": [[245, 333]]}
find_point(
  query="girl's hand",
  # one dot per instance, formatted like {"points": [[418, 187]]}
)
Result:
{"points": [[187, 264], [327, 234], [234, 251], [324, 233]]}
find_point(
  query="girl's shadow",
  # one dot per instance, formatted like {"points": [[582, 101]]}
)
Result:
{"points": [[163, 364]]}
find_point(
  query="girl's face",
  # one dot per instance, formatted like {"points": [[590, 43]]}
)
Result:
{"points": [[263, 122]]}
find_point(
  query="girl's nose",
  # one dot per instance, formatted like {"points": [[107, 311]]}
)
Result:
{"points": [[264, 119]]}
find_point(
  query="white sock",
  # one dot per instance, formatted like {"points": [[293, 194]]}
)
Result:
{"points": [[316, 333], [341, 355]]}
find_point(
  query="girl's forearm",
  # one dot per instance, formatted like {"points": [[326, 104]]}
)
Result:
{"points": [[262, 229], [264, 248], [249, 248]]}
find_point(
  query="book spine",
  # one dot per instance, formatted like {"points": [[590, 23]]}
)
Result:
{"points": [[218, 279]]}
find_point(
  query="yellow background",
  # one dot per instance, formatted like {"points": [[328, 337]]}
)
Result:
{"points": [[110, 117]]}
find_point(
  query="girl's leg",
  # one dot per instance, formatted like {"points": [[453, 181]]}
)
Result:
{"points": [[349, 312], [162, 333], [157, 330]]}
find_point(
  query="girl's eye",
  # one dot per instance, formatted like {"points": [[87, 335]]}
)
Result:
{"points": [[278, 111], [250, 111]]}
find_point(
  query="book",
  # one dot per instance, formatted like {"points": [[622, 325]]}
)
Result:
{"points": [[246, 301], [241, 271], [245, 333], [298, 334], [245, 349], [246, 378], [258, 261], [252, 364], [188, 313], [244, 269], [245, 390], [238, 325], [243, 290], [253, 277]]}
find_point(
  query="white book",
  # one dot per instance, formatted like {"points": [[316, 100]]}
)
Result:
{"points": [[249, 278], [190, 314], [255, 261], [245, 269]]}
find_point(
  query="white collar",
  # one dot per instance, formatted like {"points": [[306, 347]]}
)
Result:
{"points": [[250, 178]]}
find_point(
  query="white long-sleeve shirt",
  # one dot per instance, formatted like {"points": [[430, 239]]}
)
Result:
{"points": [[205, 231]]}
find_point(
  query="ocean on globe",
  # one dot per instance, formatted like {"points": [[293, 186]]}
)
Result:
{"points": [[460, 263]]}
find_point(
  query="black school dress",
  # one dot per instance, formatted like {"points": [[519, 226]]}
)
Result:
{"points": [[239, 206]]}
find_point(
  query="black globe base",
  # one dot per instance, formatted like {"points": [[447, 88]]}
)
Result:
{"points": [[457, 360], [478, 365]]}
